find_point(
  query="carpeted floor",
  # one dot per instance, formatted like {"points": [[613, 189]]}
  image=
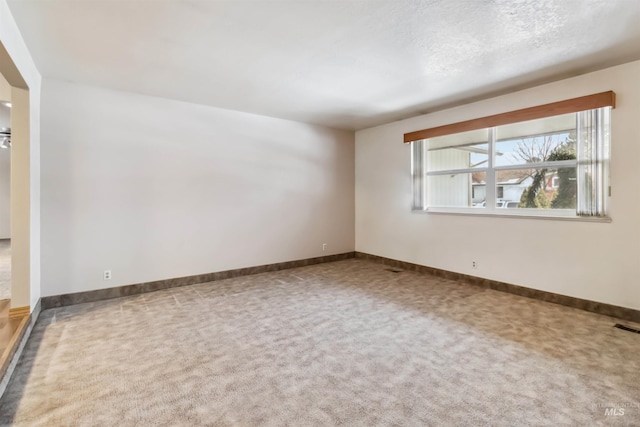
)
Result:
{"points": [[5, 269], [346, 343]]}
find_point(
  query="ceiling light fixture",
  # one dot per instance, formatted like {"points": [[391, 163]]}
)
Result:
{"points": [[5, 133], [7, 104]]}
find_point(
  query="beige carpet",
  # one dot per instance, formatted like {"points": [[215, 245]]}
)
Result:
{"points": [[347, 343], [5, 269]]}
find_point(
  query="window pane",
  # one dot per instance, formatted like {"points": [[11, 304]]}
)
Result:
{"points": [[457, 190], [458, 151], [541, 188], [535, 141]]}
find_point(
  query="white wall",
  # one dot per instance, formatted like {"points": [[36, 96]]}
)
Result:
{"points": [[5, 194], [5, 176], [27, 213], [154, 189], [594, 261]]}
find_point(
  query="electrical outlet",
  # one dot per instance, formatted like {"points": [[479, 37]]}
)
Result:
{"points": [[474, 264], [106, 275], [324, 247]]}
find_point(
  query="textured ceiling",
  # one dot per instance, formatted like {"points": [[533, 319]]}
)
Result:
{"points": [[345, 64]]}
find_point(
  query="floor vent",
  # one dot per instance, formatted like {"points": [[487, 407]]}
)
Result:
{"points": [[393, 270], [626, 328]]}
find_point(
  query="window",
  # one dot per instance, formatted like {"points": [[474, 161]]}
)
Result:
{"points": [[551, 165]]}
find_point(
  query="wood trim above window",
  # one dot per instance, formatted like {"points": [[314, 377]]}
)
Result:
{"points": [[589, 102]]}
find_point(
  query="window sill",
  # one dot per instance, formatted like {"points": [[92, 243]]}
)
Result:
{"points": [[512, 213]]}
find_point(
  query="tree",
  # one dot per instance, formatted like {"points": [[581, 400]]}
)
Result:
{"points": [[536, 149], [565, 197], [544, 150], [539, 201]]}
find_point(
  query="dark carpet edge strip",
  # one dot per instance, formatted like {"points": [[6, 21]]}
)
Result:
{"points": [[626, 328]]}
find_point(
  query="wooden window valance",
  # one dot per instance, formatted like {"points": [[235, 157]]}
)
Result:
{"points": [[589, 102]]}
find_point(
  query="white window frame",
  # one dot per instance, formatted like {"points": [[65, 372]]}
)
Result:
{"points": [[420, 184]]}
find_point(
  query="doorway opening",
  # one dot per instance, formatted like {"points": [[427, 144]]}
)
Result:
{"points": [[5, 190], [15, 212]]}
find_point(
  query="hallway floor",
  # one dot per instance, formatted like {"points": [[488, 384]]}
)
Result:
{"points": [[7, 326]]}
